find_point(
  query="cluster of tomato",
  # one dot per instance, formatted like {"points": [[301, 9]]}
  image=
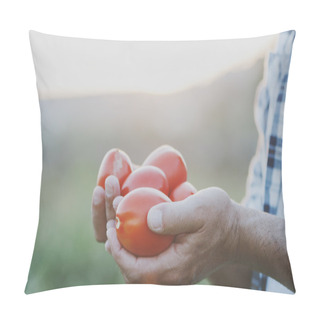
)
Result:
{"points": [[161, 178]]}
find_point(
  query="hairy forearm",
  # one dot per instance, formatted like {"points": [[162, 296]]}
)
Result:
{"points": [[262, 244]]}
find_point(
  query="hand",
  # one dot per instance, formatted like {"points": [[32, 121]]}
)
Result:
{"points": [[102, 205], [214, 234], [102, 209], [206, 229]]}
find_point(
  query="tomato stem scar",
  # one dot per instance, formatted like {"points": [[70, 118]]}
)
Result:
{"points": [[117, 223]]}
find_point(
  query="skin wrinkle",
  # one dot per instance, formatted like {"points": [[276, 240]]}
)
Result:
{"points": [[231, 241], [225, 228], [278, 249], [228, 228], [236, 233], [172, 271]]}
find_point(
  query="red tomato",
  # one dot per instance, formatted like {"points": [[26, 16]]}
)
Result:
{"points": [[117, 163], [182, 191], [171, 162], [146, 176], [132, 227]]}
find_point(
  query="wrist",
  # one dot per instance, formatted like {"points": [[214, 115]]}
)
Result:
{"points": [[240, 255], [237, 253], [249, 244], [233, 241]]}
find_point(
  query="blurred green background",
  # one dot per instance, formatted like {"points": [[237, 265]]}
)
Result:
{"points": [[211, 124]]}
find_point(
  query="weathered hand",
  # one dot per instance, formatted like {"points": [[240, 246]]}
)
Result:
{"points": [[214, 236], [206, 229]]}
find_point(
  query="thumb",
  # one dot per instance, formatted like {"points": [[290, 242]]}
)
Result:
{"points": [[174, 218]]}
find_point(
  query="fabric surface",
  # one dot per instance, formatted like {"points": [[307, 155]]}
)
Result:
{"points": [[197, 96]]}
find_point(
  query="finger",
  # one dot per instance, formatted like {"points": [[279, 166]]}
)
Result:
{"points": [[139, 269], [98, 214], [112, 190], [111, 224], [123, 258], [116, 202], [107, 246], [175, 217]]}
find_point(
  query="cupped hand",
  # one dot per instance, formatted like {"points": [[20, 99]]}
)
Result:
{"points": [[102, 209], [206, 229]]}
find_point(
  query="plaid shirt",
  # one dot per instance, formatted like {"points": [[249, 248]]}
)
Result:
{"points": [[264, 185]]}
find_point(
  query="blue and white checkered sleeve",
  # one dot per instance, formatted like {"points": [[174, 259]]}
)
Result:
{"points": [[277, 84], [264, 184]]}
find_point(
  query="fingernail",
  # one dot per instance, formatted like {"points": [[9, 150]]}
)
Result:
{"points": [[155, 220], [96, 198], [109, 190]]}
